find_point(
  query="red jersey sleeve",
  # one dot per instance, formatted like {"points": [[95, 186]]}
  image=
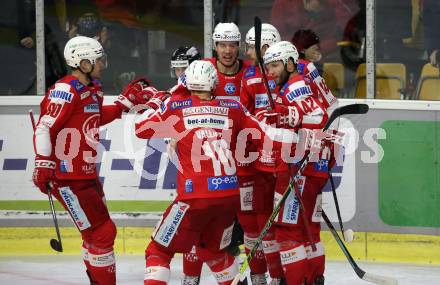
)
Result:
{"points": [[56, 108], [161, 123]]}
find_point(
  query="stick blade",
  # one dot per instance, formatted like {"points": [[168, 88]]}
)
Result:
{"points": [[56, 245], [377, 279], [354, 109], [351, 109]]}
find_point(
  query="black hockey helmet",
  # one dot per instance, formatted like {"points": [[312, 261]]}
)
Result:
{"points": [[182, 57]]}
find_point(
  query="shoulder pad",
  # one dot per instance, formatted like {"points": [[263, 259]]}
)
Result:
{"points": [[77, 86], [298, 89], [283, 89], [301, 67], [61, 91]]}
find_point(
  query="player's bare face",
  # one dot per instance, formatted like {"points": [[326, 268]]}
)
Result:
{"points": [[179, 71], [251, 53], [227, 53], [277, 72], [101, 64]]}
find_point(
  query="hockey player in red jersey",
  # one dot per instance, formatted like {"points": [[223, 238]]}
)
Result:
{"points": [[65, 142], [207, 131], [230, 70], [253, 96], [300, 263]]}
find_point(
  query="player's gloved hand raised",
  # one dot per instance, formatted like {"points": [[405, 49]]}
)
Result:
{"points": [[158, 99], [134, 93], [44, 172]]}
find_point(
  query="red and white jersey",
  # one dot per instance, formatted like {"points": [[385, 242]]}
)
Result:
{"points": [[68, 128], [316, 82], [253, 94], [296, 92], [228, 86], [207, 132]]}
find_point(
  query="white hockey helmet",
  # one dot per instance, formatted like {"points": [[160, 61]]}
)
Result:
{"points": [[281, 51], [269, 35], [201, 75], [79, 48], [226, 32]]}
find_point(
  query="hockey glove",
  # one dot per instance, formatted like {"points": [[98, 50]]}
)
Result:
{"points": [[282, 116], [134, 94], [44, 172], [157, 101]]}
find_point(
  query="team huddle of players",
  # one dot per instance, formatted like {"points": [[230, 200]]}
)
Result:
{"points": [[231, 145]]}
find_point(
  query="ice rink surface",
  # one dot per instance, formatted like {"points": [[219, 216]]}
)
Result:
{"points": [[69, 270]]}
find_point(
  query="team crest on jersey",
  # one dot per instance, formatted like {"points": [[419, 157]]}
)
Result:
{"points": [[230, 88], [228, 104], [250, 71], [272, 84], [180, 104]]}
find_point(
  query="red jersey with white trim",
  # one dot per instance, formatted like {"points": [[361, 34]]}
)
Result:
{"points": [[296, 92], [316, 82], [228, 86], [68, 128], [253, 95], [206, 132]]}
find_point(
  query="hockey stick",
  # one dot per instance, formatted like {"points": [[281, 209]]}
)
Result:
{"points": [[344, 110], [54, 243], [335, 198], [373, 278], [257, 25]]}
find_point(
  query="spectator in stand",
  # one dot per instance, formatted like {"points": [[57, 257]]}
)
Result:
{"points": [[431, 24], [307, 44], [90, 25], [292, 15]]}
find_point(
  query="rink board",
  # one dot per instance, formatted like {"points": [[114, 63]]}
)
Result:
{"points": [[419, 249], [389, 181]]}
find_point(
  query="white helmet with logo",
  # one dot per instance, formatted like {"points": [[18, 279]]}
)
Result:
{"points": [[79, 48], [226, 32], [281, 51], [201, 75], [269, 35]]}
